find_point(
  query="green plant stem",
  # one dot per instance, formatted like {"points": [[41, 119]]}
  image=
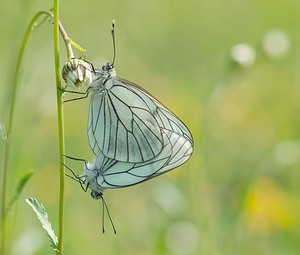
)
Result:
{"points": [[9, 130], [57, 28], [67, 41], [60, 128], [62, 172]]}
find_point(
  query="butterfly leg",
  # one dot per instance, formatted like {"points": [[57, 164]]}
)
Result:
{"points": [[85, 94]]}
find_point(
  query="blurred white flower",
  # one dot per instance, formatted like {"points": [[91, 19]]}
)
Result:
{"points": [[30, 242], [182, 238], [243, 54], [276, 43], [168, 196]]}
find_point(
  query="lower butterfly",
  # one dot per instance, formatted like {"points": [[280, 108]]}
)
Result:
{"points": [[105, 173]]}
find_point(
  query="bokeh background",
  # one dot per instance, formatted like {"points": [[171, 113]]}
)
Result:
{"points": [[229, 69]]}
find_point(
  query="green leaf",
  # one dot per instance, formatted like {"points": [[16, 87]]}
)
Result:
{"points": [[23, 182], [19, 190], [76, 46], [42, 216]]}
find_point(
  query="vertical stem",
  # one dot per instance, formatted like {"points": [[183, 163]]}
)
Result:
{"points": [[11, 108], [57, 28], [60, 128], [62, 172]]}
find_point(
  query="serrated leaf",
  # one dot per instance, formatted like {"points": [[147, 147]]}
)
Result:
{"points": [[42, 215], [19, 190]]}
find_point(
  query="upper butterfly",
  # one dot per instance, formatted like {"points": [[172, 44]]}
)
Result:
{"points": [[125, 121]]}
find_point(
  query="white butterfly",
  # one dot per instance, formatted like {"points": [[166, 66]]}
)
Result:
{"points": [[106, 173], [125, 121]]}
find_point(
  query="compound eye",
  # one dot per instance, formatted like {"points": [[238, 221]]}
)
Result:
{"points": [[96, 194], [107, 67]]}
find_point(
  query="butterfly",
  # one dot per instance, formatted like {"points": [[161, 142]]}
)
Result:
{"points": [[125, 121], [106, 173]]}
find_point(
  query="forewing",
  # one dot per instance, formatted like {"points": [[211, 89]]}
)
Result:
{"points": [[169, 121], [166, 119], [122, 124]]}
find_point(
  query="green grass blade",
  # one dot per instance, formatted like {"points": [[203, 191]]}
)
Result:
{"points": [[20, 187]]}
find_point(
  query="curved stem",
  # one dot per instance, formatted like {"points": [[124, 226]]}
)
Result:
{"points": [[67, 41], [14, 84], [57, 28]]}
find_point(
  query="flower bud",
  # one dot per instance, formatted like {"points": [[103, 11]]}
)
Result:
{"points": [[77, 72]]}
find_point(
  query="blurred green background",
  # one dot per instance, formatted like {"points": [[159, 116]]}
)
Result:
{"points": [[238, 194]]}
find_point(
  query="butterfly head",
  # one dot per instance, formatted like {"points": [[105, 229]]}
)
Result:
{"points": [[96, 194], [109, 69]]}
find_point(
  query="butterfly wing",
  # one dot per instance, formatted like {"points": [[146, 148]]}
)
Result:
{"points": [[115, 174], [182, 149], [122, 124], [125, 122], [166, 119]]}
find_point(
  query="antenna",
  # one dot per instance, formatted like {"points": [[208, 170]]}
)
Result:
{"points": [[105, 207], [114, 41]]}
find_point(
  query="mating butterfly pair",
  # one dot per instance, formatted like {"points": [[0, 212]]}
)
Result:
{"points": [[133, 135]]}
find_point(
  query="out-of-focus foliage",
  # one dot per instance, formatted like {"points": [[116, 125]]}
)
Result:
{"points": [[229, 69]]}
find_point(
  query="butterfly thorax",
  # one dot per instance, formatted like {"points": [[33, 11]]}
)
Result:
{"points": [[102, 76], [94, 178]]}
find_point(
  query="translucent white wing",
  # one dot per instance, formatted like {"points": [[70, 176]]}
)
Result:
{"points": [[108, 173], [122, 126], [182, 150], [165, 118], [125, 122]]}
